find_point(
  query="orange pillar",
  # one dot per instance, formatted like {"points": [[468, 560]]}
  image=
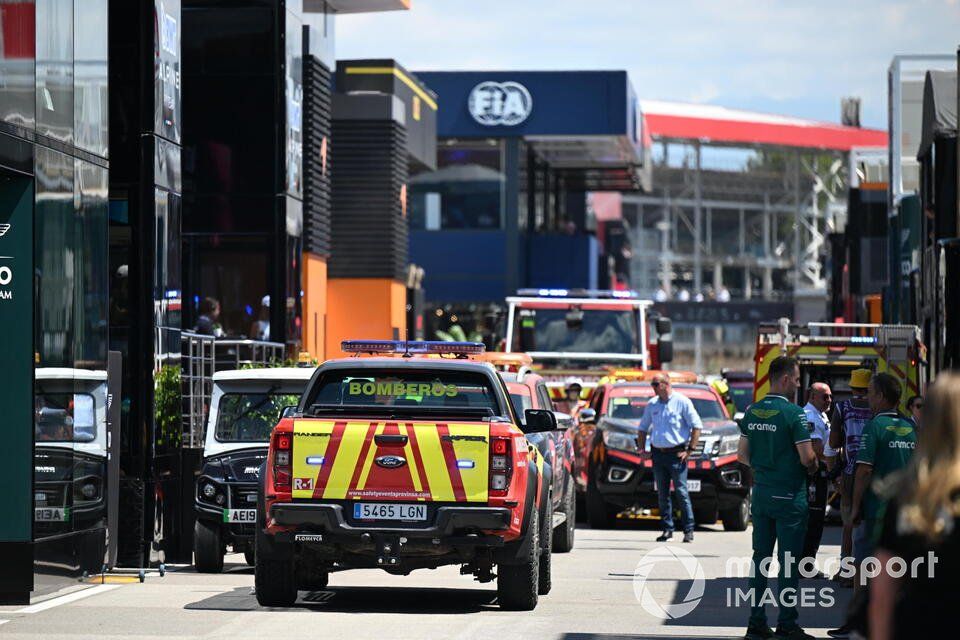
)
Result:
{"points": [[358, 308], [314, 305]]}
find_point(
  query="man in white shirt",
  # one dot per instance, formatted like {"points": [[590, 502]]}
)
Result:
{"points": [[820, 399]]}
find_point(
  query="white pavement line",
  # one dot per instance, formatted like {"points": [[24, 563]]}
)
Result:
{"points": [[67, 599], [4, 621]]}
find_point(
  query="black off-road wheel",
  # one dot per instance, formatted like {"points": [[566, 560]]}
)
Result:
{"points": [[564, 534], [274, 575], [313, 580], [207, 548], [600, 515], [250, 557], [518, 584], [736, 519]]}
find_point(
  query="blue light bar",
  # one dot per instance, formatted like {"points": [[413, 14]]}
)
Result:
{"points": [[413, 346], [463, 463], [315, 460], [863, 340]]}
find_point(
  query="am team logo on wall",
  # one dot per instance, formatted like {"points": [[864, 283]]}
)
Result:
{"points": [[500, 103]]}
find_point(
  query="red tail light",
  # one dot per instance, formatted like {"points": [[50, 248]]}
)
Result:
{"points": [[501, 466], [282, 471]]}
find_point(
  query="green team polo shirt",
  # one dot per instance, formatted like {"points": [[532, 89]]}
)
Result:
{"points": [[773, 427], [887, 444]]}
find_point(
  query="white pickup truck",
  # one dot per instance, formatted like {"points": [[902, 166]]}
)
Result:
{"points": [[244, 407]]}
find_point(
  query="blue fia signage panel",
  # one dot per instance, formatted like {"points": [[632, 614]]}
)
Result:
{"points": [[529, 103]]}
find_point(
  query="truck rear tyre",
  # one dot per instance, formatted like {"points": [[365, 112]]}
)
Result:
{"points": [[600, 515], [564, 534], [313, 579], [736, 519], [207, 548], [274, 576], [705, 515], [250, 557], [518, 584]]}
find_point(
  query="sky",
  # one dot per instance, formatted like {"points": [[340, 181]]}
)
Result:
{"points": [[796, 58]]}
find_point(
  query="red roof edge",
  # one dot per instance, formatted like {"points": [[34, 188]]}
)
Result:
{"points": [[814, 136]]}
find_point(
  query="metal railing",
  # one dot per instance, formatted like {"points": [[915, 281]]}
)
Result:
{"points": [[202, 356]]}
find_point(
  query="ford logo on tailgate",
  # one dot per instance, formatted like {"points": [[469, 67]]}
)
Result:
{"points": [[391, 462]]}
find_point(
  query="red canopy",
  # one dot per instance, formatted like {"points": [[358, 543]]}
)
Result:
{"points": [[720, 125]]}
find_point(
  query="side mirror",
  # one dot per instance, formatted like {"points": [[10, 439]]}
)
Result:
{"points": [[665, 349], [288, 412], [664, 339], [539, 421], [564, 421], [664, 325], [588, 416]]}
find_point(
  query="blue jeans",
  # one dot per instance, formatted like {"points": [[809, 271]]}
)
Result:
{"points": [[667, 467]]}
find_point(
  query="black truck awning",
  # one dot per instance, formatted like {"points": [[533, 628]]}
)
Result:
{"points": [[939, 108]]}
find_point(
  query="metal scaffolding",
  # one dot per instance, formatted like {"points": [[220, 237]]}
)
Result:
{"points": [[756, 229], [735, 223]]}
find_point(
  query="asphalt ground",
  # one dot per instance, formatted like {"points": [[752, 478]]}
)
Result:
{"points": [[593, 598]]}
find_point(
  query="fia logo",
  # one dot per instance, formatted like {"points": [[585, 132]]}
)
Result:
{"points": [[3, 229], [500, 103]]}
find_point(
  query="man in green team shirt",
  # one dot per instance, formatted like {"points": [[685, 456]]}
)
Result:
{"points": [[888, 442], [775, 442]]}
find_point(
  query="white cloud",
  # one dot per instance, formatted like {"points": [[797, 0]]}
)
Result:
{"points": [[798, 58]]}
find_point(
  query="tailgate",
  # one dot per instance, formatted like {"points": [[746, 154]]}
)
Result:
{"points": [[393, 461]]}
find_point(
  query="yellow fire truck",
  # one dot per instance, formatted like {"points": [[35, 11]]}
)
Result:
{"points": [[827, 352]]}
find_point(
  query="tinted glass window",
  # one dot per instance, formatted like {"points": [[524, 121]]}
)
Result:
{"points": [[465, 192], [708, 409], [545, 401], [56, 270], [521, 402], [631, 408], [250, 417], [90, 76], [64, 417], [596, 331], [55, 69], [17, 54], [392, 388], [627, 408]]}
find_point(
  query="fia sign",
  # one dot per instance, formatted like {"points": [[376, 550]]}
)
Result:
{"points": [[500, 103]]}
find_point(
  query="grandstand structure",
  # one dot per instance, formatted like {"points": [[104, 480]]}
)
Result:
{"points": [[734, 229]]}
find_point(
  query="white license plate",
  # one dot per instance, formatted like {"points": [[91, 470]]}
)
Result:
{"points": [[239, 515], [387, 511], [692, 486], [51, 514]]}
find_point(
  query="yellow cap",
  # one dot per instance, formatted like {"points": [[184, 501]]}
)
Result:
{"points": [[860, 378]]}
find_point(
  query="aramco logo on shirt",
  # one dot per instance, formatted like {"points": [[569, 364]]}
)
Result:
{"points": [[500, 103]]}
